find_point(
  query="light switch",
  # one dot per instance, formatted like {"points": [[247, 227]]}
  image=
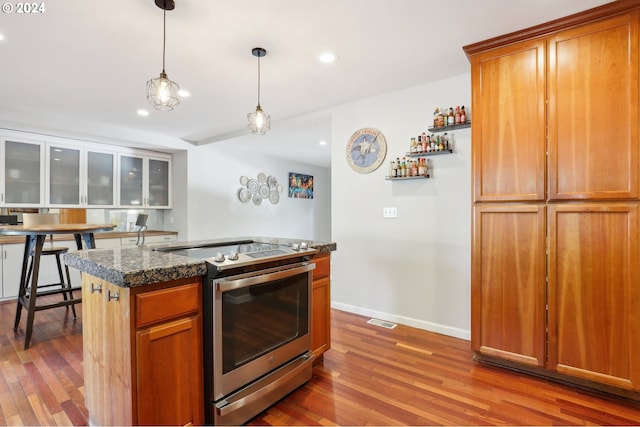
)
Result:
{"points": [[390, 212]]}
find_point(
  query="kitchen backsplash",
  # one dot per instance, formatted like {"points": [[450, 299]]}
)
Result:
{"points": [[125, 219]]}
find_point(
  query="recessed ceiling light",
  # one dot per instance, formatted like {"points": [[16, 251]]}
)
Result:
{"points": [[143, 113], [327, 57], [323, 142], [184, 93], [1, 36]]}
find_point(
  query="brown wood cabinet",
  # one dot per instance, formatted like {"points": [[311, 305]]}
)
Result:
{"points": [[593, 110], [594, 292], [321, 306], [556, 232], [143, 353], [508, 134], [508, 290]]}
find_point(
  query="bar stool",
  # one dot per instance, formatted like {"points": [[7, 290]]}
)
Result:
{"points": [[62, 287]]}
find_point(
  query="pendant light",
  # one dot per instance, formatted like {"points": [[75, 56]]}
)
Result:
{"points": [[162, 93], [259, 121]]}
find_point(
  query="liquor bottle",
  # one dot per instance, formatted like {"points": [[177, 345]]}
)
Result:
{"points": [[436, 113], [463, 115], [413, 146], [421, 168], [392, 169], [451, 118], [441, 119], [404, 167], [458, 115], [414, 169], [424, 142]]}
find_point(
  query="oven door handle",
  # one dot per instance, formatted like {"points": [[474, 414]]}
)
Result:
{"points": [[231, 283]]}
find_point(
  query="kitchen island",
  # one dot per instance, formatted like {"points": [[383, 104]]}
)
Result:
{"points": [[142, 331]]}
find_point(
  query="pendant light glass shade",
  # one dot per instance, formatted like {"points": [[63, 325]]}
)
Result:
{"points": [[162, 93], [259, 121]]}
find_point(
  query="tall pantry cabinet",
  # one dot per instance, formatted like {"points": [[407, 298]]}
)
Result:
{"points": [[556, 197]]}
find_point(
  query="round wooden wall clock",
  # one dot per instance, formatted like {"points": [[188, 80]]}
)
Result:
{"points": [[366, 150]]}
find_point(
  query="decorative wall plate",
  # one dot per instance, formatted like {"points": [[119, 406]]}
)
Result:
{"points": [[253, 186], [264, 191], [366, 150], [244, 195]]}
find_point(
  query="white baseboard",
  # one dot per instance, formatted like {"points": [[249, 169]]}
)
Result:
{"points": [[403, 320]]}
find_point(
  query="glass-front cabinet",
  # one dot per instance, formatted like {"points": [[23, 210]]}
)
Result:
{"points": [[101, 183], [131, 181], [21, 172], [78, 176], [144, 181], [158, 183], [64, 176], [55, 172]]}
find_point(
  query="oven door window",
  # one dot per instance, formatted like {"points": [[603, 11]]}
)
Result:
{"points": [[260, 318]]}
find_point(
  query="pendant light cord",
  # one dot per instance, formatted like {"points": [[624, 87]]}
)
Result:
{"points": [[258, 80], [164, 37]]}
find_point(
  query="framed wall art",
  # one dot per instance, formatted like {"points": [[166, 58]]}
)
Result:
{"points": [[300, 186], [366, 150]]}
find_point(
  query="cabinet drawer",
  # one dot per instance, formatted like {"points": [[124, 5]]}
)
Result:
{"points": [[323, 266], [164, 304]]}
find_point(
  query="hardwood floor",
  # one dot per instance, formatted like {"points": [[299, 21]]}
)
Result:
{"points": [[371, 376]]}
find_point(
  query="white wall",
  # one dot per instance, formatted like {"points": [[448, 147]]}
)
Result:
{"points": [[214, 210], [414, 269]]}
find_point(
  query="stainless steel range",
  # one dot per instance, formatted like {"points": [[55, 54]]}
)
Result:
{"points": [[257, 310]]}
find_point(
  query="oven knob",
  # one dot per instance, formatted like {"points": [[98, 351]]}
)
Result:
{"points": [[304, 245], [219, 257], [233, 256]]}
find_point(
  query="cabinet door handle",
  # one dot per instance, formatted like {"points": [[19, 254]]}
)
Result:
{"points": [[96, 288], [112, 296]]}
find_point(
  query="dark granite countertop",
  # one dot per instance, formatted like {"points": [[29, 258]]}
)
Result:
{"points": [[321, 247], [138, 266], [134, 266]]}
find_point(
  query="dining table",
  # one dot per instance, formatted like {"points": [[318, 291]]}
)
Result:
{"points": [[35, 237]]}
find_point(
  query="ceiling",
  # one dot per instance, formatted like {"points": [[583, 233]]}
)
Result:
{"points": [[83, 64]]}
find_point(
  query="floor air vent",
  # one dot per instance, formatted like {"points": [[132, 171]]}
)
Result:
{"points": [[382, 323]]}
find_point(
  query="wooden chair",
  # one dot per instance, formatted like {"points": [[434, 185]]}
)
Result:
{"points": [[63, 287]]}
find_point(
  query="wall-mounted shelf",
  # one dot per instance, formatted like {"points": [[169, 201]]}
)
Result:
{"points": [[450, 127], [429, 153], [405, 178]]}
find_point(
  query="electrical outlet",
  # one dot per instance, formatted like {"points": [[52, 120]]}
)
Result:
{"points": [[390, 212]]}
